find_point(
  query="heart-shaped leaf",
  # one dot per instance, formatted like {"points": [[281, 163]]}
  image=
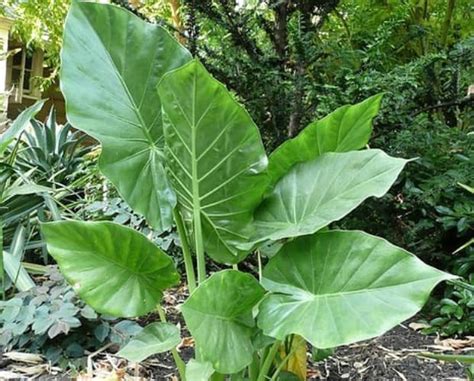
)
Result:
{"points": [[215, 156], [346, 129], [317, 192], [111, 64], [115, 269], [154, 338], [219, 316], [318, 281]]}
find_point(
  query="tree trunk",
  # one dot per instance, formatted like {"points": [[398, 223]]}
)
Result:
{"points": [[447, 21], [281, 30]]}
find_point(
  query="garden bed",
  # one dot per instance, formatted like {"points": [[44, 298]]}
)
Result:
{"points": [[393, 356]]}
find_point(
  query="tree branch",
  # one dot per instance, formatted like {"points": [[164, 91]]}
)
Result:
{"points": [[464, 102]]}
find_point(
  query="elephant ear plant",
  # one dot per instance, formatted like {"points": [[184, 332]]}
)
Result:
{"points": [[181, 151]]}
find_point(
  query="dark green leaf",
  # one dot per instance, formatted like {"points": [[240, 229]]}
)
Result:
{"points": [[319, 354]]}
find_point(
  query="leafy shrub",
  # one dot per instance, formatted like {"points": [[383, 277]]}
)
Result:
{"points": [[454, 313]]}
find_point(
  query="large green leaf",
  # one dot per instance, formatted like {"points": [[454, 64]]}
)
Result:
{"points": [[219, 316], [199, 371], [216, 158], [154, 338], [346, 129], [339, 287], [115, 269], [317, 192], [19, 124], [111, 63]]}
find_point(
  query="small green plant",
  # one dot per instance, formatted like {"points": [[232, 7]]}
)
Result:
{"points": [[181, 151], [454, 313], [51, 320]]}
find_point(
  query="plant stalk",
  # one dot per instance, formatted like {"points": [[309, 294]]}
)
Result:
{"points": [[259, 258], [196, 202], [253, 368], [281, 365], [201, 259], [268, 361], [177, 358], [188, 259]]}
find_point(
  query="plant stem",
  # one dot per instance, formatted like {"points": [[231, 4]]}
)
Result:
{"points": [[259, 257], [268, 361], [188, 259], [253, 368], [196, 201], [281, 365], [177, 358], [466, 359], [201, 260], [262, 358], [235, 266]]}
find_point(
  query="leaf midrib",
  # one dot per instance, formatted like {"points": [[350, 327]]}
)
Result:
{"points": [[312, 296], [125, 87]]}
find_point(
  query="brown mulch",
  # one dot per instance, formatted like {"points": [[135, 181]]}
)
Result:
{"points": [[393, 356]]}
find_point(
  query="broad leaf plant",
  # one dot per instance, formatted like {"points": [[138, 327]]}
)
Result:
{"points": [[183, 152]]}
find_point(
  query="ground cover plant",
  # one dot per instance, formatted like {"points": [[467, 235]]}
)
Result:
{"points": [[181, 151], [49, 319]]}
